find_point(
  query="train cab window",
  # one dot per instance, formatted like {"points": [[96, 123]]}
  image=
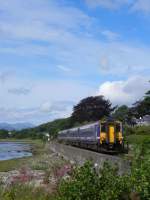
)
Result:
{"points": [[103, 127], [118, 128]]}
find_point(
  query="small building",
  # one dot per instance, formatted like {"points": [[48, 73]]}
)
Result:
{"points": [[145, 120], [47, 135], [9, 133]]}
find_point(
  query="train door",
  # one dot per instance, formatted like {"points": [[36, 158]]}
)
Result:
{"points": [[111, 133]]}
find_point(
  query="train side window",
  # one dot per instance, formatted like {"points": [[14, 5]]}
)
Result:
{"points": [[103, 127], [118, 128]]}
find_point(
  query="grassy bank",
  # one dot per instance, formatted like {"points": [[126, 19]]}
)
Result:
{"points": [[138, 139], [34, 177]]}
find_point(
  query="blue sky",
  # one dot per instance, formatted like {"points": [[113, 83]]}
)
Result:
{"points": [[55, 52]]}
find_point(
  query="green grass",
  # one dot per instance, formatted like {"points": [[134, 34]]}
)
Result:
{"points": [[137, 139], [24, 192], [136, 143], [8, 165]]}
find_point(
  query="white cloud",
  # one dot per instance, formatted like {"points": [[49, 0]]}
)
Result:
{"points": [[46, 112], [134, 5], [119, 57], [71, 48], [39, 20], [110, 4], [61, 34], [110, 35], [104, 64], [61, 28], [125, 92], [5, 75], [46, 107], [64, 68], [47, 100], [141, 5], [58, 109], [19, 91], [42, 91]]}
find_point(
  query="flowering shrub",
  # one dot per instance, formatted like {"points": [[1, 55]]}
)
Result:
{"points": [[62, 171], [87, 184], [24, 176]]}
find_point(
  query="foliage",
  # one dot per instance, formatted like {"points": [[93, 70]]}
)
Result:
{"points": [[107, 185], [137, 130], [140, 176], [121, 113], [137, 139], [57, 125], [139, 109], [142, 107], [4, 134], [87, 183], [91, 109]]}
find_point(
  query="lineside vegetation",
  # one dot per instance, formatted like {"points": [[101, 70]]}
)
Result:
{"points": [[86, 182]]}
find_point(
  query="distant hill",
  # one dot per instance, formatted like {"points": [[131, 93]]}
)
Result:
{"points": [[24, 131], [16, 126], [53, 126]]}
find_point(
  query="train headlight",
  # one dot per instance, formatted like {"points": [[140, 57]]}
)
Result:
{"points": [[120, 138], [102, 137]]}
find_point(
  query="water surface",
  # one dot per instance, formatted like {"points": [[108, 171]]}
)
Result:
{"points": [[12, 150]]}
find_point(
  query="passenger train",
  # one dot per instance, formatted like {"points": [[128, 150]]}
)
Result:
{"points": [[99, 136]]}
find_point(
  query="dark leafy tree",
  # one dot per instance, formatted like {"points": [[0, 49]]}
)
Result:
{"points": [[4, 134], [148, 93], [91, 109]]}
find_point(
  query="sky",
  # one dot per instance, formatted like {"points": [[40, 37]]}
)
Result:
{"points": [[53, 53]]}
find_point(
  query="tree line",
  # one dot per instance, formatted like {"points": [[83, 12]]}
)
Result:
{"points": [[89, 109]]}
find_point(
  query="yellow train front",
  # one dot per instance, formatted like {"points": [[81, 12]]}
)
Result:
{"points": [[101, 136], [111, 135]]}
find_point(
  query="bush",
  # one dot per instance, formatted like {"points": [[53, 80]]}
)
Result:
{"points": [[142, 130], [88, 184], [138, 130]]}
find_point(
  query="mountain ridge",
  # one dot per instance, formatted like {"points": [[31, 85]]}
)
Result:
{"points": [[15, 126]]}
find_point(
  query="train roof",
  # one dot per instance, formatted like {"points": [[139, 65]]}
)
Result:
{"points": [[79, 127], [89, 125]]}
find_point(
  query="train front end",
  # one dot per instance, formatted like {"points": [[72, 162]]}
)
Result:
{"points": [[111, 135]]}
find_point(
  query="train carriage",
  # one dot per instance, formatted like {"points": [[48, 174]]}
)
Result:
{"points": [[101, 136]]}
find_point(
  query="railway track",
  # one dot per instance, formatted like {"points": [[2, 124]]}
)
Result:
{"points": [[104, 151]]}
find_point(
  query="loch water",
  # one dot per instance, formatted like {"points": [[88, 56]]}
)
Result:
{"points": [[12, 150]]}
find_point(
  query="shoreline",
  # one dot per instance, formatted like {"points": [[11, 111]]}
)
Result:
{"points": [[36, 148], [38, 171]]}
